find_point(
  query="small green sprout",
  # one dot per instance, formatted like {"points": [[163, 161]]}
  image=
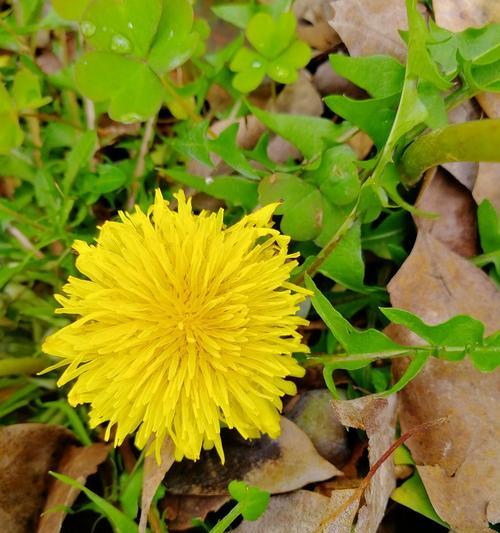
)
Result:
{"points": [[277, 52], [252, 503]]}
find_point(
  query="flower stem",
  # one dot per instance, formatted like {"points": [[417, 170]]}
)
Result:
{"points": [[223, 524], [22, 365]]}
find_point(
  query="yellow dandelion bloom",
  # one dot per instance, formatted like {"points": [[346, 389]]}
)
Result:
{"points": [[183, 326]]}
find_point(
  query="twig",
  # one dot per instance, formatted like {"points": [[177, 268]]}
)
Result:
{"points": [[141, 161], [373, 470], [23, 240]]}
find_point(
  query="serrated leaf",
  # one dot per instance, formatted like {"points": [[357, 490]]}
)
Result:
{"points": [[374, 116], [380, 76], [460, 330], [355, 342], [416, 365], [78, 157], [233, 189], [311, 135], [345, 264]]}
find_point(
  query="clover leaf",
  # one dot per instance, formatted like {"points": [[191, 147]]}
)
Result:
{"points": [[276, 52], [134, 44]]}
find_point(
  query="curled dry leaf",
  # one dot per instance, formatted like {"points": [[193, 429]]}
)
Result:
{"points": [[302, 512], [371, 26], [456, 226], [153, 476], [78, 463], [490, 103], [28, 452], [280, 465], [458, 461], [377, 416]]}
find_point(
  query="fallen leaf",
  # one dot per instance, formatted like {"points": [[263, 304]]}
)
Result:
{"points": [[456, 226], [313, 27], [371, 26], [486, 186], [490, 102], [153, 476], [458, 15], [29, 451], [313, 413], [302, 512], [458, 461], [328, 81], [377, 416], [182, 509], [300, 98], [280, 465], [78, 463]]}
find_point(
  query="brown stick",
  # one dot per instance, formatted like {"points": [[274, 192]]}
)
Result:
{"points": [[373, 470]]}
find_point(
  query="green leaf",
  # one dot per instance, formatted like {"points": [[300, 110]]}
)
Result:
{"points": [[192, 141], [489, 226], [374, 116], [130, 493], [458, 331], [420, 63], [225, 145], [72, 10], [355, 342], [11, 134], [379, 75], [79, 156], [386, 239], [311, 135], [105, 76], [475, 141], [121, 522], [232, 189], [412, 494], [414, 368], [175, 42], [237, 14], [135, 43], [302, 204], [252, 501], [345, 264], [337, 176], [486, 358], [26, 90]]}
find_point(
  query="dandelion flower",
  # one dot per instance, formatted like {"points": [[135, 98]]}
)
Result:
{"points": [[183, 326]]}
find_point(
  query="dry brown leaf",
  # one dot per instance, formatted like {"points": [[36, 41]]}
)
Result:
{"points": [[78, 463], [487, 184], [153, 476], [280, 465], [313, 413], [182, 509], [456, 226], [28, 452], [300, 98], [327, 81], [377, 416], [313, 27], [458, 461], [370, 27], [301, 512], [490, 102], [457, 15]]}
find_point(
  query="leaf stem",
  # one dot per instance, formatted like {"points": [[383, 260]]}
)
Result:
{"points": [[22, 365], [140, 165]]}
